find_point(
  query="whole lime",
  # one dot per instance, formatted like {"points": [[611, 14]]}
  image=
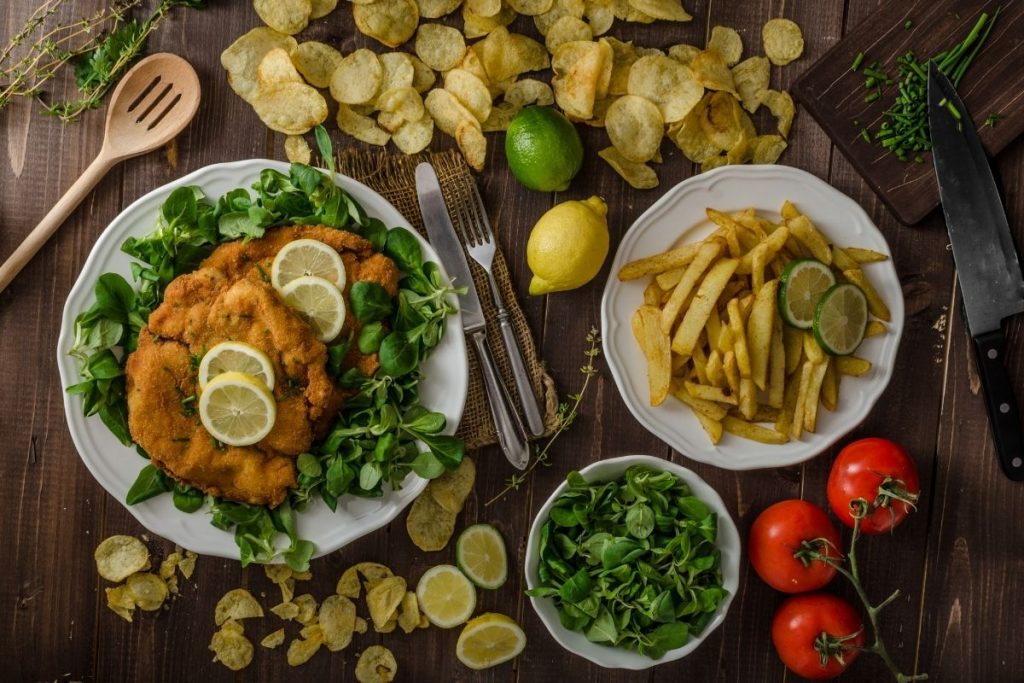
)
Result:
{"points": [[543, 149]]}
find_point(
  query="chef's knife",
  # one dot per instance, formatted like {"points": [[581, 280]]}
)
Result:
{"points": [[988, 269], [511, 433]]}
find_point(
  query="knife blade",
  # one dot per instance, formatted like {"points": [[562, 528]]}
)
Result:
{"points": [[988, 268], [441, 232]]}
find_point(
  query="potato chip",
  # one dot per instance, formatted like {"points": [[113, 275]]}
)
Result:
{"points": [[470, 91], [405, 102], [750, 77], [435, 9], [440, 47], [236, 604], [781, 106], [384, 599], [398, 71], [297, 150], [501, 116], [472, 143], [640, 176], [600, 110], [321, 8], [232, 626], [316, 62], [565, 30], [348, 584], [414, 136], [624, 55], [783, 41], [361, 625], [307, 609], [727, 43], [409, 613], [286, 16], [711, 71], [358, 78], [558, 9], [724, 121], [578, 67], [290, 108], [529, 55], [423, 76], [277, 573], [120, 600], [714, 162], [667, 83], [683, 53], [389, 626], [451, 489], [530, 8], [276, 67], [243, 56], [168, 564], [625, 11], [447, 111], [689, 136], [429, 525], [669, 10], [188, 565], [118, 557], [302, 650], [528, 91], [231, 649], [337, 620], [361, 127], [635, 127], [766, 149], [471, 63], [287, 589], [390, 22], [285, 610], [376, 665], [273, 639], [600, 14], [475, 26], [424, 621], [147, 590], [483, 8]]}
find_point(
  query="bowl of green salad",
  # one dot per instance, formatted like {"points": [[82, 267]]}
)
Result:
{"points": [[632, 562]]}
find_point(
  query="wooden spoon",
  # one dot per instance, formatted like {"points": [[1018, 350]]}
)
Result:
{"points": [[154, 101]]}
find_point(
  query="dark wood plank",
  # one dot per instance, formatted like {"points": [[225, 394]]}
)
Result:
{"points": [[835, 95]]}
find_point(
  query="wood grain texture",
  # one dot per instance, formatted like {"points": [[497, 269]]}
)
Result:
{"points": [[994, 84], [956, 560]]}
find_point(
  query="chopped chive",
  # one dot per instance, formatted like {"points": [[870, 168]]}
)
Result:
{"points": [[864, 134], [918, 159], [908, 23], [990, 121], [873, 96], [951, 108], [857, 61]]}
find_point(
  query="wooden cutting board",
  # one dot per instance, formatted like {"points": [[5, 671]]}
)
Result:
{"points": [[994, 84]]}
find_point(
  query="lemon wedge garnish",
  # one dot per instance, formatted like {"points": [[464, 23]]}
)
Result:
{"points": [[320, 302], [307, 257], [232, 356], [237, 409]]}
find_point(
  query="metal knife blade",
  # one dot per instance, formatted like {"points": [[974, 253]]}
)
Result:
{"points": [[986, 260]]}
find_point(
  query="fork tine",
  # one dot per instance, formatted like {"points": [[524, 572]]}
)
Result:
{"points": [[486, 231], [472, 224], [464, 223]]}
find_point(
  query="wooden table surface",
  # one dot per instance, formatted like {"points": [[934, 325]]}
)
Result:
{"points": [[958, 560]]}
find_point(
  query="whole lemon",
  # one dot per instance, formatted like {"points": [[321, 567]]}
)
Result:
{"points": [[568, 245]]}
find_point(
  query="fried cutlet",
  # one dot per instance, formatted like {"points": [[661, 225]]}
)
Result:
{"points": [[229, 297]]}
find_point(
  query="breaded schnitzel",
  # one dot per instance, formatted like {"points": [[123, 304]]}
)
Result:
{"points": [[229, 297]]}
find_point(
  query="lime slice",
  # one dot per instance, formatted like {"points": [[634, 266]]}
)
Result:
{"points": [[801, 285], [307, 257], [480, 554], [236, 357], [237, 409], [841, 319], [446, 596], [489, 639], [319, 302]]}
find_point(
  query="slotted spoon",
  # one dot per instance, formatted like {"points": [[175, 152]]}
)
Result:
{"points": [[154, 101]]}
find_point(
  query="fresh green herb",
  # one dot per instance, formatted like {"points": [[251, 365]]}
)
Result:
{"points": [[632, 563], [150, 482], [872, 97], [865, 134], [992, 119], [857, 61], [907, 24], [186, 498]]}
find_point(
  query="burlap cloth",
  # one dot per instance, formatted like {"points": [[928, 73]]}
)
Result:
{"points": [[394, 178]]}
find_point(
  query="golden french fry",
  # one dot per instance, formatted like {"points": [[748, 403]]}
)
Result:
{"points": [[714, 370], [865, 255], [713, 327], [785, 418], [813, 393], [788, 211], [841, 259], [680, 365], [659, 263], [700, 362], [739, 338], [733, 242], [656, 348], [876, 305], [697, 315], [770, 246], [725, 338], [712, 427], [708, 252], [653, 294], [765, 414], [811, 238], [708, 408], [759, 332], [852, 365], [830, 388], [710, 393], [812, 349], [748, 398], [754, 432], [793, 340], [732, 289], [797, 425], [670, 278], [732, 373], [875, 328], [722, 219], [777, 366]]}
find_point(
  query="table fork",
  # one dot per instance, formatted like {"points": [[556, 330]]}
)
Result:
{"points": [[471, 219]]}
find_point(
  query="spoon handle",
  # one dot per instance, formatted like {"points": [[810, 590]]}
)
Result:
{"points": [[54, 219]]}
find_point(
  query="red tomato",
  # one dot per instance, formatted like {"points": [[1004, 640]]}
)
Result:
{"points": [[880, 472], [797, 632], [781, 534]]}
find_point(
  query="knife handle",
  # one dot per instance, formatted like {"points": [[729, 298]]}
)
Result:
{"points": [[1002, 405], [527, 398], [511, 434]]}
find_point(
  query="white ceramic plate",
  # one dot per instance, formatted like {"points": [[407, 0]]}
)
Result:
{"points": [[679, 217], [617, 658], [115, 467]]}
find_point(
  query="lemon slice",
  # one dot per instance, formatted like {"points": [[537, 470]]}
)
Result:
{"points": [[307, 257], [489, 639], [237, 409], [236, 357], [319, 302], [801, 285], [446, 596], [480, 554]]}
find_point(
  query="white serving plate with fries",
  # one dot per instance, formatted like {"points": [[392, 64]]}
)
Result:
{"points": [[115, 466], [679, 217]]}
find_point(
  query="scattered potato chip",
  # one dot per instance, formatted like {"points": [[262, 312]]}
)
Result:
{"points": [[435, 9], [276, 67], [361, 127], [389, 625], [307, 609], [440, 47], [530, 8], [376, 665], [501, 116], [236, 604], [361, 625], [683, 53], [528, 91], [476, 26], [287, 589], [470, 91], [668, 10], [565, 30], [348, 584], [277, 573], [414, 136], [635, 127], [357, 78], [285, 610], [147, 590], [273, 639], [750, 77], [118, 557], [424, 621], [232, 649], [409, 613], [600, 14], [447, 111], [667, 83], [297, 150], [232, 626], [783, 41], [690, 138], [390, 22], [451, 489], [711, 72], [302, 650], [472, 143], [767, 149], [243, 57], [727, 43], [558, 9], [781, 106], [286, 16], [337, 620], [529, 55], [578, 67], [383, 600], [321, 8], [316, 62], [483, 8], [120, 600], [188, 565], [429, 525], [290, 108], [640, 176], [724, 121], [423, 77], [405, 102]]}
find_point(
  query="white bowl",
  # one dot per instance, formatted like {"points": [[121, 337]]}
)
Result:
{"points": [[679, 217], [614, 657]]}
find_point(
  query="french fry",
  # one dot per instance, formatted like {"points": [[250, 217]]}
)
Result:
{"points": [[680, 365], [759, 332], [852, 365], [785, 418], [709, 251], [813, 395], [732, 373], [739, 340], [788, 211], [670, 278], [731, 290], [748, 398], [841, 259], [793, 340], [811, 238], [812, 349], [712, 427], [656, 348], [830, 388], [754, 432], [765, 414], [876, 306], [861, 255], [733, 242], [709, 408], [659, 263], [725, 338], [713, 327], [875, 328], [777, 366], [700, 363], [653, 294], [797, 425], [714, 370], [722, 219], [697, 315], [710, 393]]}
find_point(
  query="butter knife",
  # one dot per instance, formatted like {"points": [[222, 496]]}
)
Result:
{"points": [[510, 430]]}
